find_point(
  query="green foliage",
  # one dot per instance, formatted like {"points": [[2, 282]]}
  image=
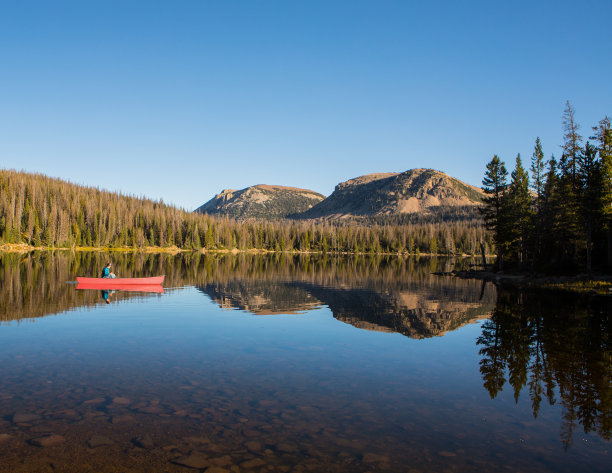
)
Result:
{"points": [[517, 209], [41, 211], [494, 184], [603, 139], [537, 174], [562, 224]]}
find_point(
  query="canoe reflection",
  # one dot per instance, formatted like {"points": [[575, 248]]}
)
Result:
{"points": [[132, 288]]}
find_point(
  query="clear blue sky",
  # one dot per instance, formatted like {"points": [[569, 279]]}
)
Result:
{"points": [[180, 99]]}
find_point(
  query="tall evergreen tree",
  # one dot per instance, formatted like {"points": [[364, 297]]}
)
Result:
{"points": [[590, 197], [603, 138], [570, 185], [537, 185], [571, 145], [494, 185], [518, 209]]}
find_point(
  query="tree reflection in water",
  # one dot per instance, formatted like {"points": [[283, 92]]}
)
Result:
{"points": [[555, 347], [34, 284], [558, 348]]}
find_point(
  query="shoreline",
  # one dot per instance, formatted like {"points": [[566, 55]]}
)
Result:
{"points": [[580, 283], [25, 248]]}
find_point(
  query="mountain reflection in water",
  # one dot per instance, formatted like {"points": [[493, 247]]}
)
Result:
{"points": [[548, 354], [416, 308], [387, 294]]}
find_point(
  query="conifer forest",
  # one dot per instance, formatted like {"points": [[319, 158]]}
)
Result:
{"points": [[555, 216], [46, 212]]}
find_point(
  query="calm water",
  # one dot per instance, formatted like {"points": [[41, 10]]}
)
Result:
{"points": [[269, 363]]}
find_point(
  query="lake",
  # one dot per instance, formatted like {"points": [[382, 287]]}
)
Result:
{"points": [[296, 363]]}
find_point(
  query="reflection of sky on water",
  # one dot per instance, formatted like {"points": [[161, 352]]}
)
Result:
{"points": [[333, 387]]}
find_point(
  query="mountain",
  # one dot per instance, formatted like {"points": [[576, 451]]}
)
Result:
{"points": [[417, 191], [261, 201], [416, 195]]}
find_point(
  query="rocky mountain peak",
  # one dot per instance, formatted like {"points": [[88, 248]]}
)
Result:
{"points": [[391, 194], [261, 201], [420, 192]]}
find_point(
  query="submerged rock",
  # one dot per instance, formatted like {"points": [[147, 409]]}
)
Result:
{"points": [[195, 439], [222, 461], [254, 463], [192, 461], [91, 402], [154, 409], [375, 458], [122, 401], [99, 441], [68, 414], [23, 417], [145, 442], [48, 440], [254, 446], [217, 469], [122, 418], [287, 448]]}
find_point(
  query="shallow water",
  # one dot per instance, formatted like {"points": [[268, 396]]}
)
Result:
{"points": [[269, 363]]}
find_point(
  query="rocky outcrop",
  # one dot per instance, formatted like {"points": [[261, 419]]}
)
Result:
{"points": [[391, 194], [261, 201]]}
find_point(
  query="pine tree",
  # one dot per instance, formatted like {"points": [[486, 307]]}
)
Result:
{"points": [[570, 186], [537, 185], [571, 145], [590, 196], [494, 185], [551, 213], [603, 138], [518, 208], [433, 246]]}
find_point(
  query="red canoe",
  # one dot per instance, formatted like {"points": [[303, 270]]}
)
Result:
{"points": [[158, 288], [121, 282]]}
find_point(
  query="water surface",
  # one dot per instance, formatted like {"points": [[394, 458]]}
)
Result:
{"points": [[296, 363]]}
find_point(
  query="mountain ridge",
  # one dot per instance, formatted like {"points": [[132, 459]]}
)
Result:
{"points": [[263, 201], [420, 192], [390, 194]]}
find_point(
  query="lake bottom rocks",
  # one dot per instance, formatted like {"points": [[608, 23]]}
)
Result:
{"points": [[48, 440], [192, 461]]}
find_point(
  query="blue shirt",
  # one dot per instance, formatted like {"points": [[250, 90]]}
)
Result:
{"points": [[106, 272]]}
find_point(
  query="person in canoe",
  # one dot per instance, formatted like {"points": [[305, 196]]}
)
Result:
{"points": [[106, 272]]}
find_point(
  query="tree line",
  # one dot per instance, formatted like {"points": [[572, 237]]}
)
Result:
{"points": [[558, 216], [47, 212]]}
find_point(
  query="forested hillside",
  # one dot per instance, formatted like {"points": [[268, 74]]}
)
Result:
{"points": [[48, 212]]}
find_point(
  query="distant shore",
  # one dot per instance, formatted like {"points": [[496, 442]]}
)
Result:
{"points": [[25, 248], [580, 283]]}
